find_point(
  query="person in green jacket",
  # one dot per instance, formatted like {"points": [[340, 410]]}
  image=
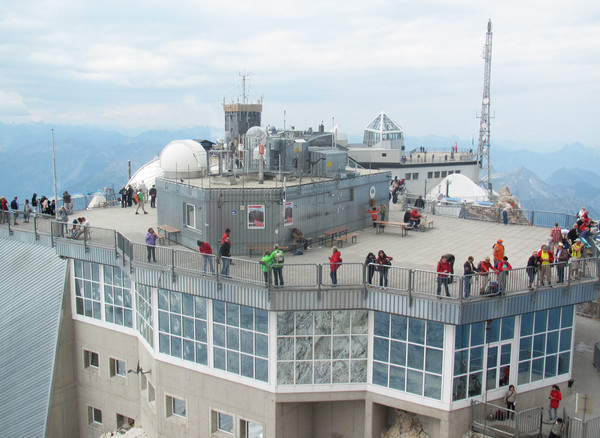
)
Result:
{"points": [[277, 260], [265, 264]]}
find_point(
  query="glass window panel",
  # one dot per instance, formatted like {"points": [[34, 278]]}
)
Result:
{"points": [[360, 322], [304, 323], [304, 373], [96, 291], [163, 299], [492, 331], [397, 378], [323, 322], [567, 316], [459, 388], [504, 375], [200, 310], [95, 272], [118, 315], [341, 322], [540, 321], [539, 345], [262, 345], [87, 270], [552, 342], [79, 306], [188, 328], [341, 347], [380, 349], [118, 294], [176, 348], [201, 354], [398, 353], [246, 318], [461, 336], [564, 362], [477, 333], [416, 355], [175, 301], [491, 379], [492, 359], [126, 280], [78, 268], [525, 348], [399, 324], [565, 340], [118, 279], [87, 289], [200, 330], [179, 407], [188, 305], [527, 324], [261, 320], [261, 369], [219, 311], [219, 358], [414, 382], [108, 275], [233, 338], [550, 370], [247, 342], [247, 366], [435, 334], [88, 308], [524, 368], [304, 348], [285, 348], [233, 314], [340, 371], [108, 294], [359, 347], [433, 361], [358, 371], [537, 369], [505, 354], [219, 335], [380, 374], [175, 321], [461, 362], [164, 344], [96, 310], [127, 302], [128, 314], [508, 328], [322, 347], [188, 350], [554, 318], [109, 314], [416, 331], [382, 324], [475, 384], [433, 386], [225, 422], [476, 359]]}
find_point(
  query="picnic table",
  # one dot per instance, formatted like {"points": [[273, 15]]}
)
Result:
{"points": [[333, 234], [402, 225], [169, 231]]}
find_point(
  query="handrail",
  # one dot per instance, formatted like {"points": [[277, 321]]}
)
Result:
{"points": [[395, 279]]}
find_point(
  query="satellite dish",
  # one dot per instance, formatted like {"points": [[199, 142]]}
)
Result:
{"points": [[486, 100]]}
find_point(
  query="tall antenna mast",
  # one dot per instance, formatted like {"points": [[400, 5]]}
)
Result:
{"points": [[483, 152], [244, 75]]}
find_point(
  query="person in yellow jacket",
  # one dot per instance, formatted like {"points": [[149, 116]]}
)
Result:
{"points": [[576, 252]]}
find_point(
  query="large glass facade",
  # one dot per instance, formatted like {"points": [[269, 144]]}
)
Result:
{"points": [[240, 340], [118, 305], [408, 354], [182, 326], [482, 355], [322, 347], [545, 344], [87, 289], [144, 319]]}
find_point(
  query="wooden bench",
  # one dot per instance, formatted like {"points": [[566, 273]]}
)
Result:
{"points": [[425, 225], [341, 239], [332, 234], [263, 248], [169, 231]]}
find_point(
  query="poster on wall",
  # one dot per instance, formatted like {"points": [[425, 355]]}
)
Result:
{"points": [[288, 218], [256, 217]]}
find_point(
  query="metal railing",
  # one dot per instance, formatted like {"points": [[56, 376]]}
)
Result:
{"points": [[577, 428], [498, 421], [352, 275]]}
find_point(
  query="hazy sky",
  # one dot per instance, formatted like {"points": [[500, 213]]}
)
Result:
{"points": [[138, 65]]}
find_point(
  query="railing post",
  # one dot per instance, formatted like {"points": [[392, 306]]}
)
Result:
{"points": [[116, 245], [85, 238], [410, 286], [173, 265], [532, 218]]}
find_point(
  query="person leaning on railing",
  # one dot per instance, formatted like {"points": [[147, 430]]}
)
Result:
{"points": [[470, 271]]}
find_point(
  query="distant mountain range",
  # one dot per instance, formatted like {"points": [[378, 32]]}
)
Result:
{"points": [[89, 159]]}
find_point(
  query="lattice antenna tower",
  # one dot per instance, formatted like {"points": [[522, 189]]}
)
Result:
{"points": [[244, 75], [483, 152]]}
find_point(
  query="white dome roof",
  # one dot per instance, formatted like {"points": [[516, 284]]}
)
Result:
{"points": [[340, 136], [183, 158]]}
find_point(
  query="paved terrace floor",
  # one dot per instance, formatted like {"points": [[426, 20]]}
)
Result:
{"points": [[418, 250]]}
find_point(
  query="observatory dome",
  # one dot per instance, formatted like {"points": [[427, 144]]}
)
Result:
{"points": [[183, 159]]}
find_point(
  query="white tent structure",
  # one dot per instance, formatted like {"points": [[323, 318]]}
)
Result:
{"points": [[459, 187], [147, 173]]}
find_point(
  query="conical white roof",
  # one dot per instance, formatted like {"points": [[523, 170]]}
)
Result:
{"points": [[458, 186]]}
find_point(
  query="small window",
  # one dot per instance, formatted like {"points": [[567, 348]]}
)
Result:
{"points": [[415, 176], [251, 430], [450, 172], [90, 359], [429, 174], [457, 171], [151, 393], [444, 174], [118, 368], [384, 154], [143, 382], [123, 420], [222, 423], [94, 415], [437, 174], [175, 406], [193, 216], [407, 176]]}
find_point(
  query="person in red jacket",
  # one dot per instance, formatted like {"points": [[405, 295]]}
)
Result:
{"points": [[555, 398], [485, 267], [334, 264], [546, 258], [206, 251], [374, 215], [443, 269], [503, 269]]}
